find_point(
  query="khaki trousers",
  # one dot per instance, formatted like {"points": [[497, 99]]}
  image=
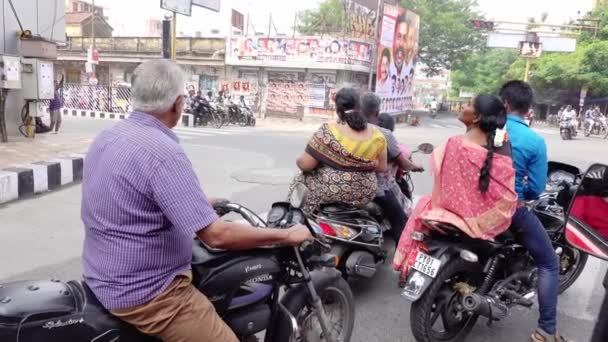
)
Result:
{"points": [[180, 314]]}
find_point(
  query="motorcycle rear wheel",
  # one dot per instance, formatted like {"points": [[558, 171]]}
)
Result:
{"points": [[568, 274], [338, 302], [424, 315]]}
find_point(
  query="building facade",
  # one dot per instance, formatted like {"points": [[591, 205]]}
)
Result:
{"points": [[295, 77]]}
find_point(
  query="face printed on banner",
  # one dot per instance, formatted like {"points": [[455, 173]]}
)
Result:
{"points": [[334, 47], [363, 52], [384, 67], [393, 84], [248, 46], [401, 33], [399, 59]]}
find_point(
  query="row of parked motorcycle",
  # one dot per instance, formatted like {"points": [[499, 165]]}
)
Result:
{"points": [[220, 111], [454, 281]]}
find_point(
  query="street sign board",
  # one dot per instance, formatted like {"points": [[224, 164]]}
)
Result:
{"points": [[549, 43], [183, 7], [213, 5]]}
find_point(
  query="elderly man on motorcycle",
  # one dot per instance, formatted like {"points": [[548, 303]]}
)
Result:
{"points": [[142, 205]]}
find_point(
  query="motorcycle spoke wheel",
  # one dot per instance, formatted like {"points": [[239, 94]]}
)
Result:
{"points": [[336, 310]]}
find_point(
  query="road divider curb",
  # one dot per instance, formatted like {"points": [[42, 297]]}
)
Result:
{"points": [[187, 120], [23, 181]]}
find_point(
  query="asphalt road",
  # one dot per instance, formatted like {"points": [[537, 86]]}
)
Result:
{"points": [[42, 237]]}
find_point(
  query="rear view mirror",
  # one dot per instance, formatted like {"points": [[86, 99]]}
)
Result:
{"points": [[426, 148], [298, 195], [587, 224]]}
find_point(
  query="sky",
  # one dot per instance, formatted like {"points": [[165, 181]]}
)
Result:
{"points": [[128, 16], [560, 11]]}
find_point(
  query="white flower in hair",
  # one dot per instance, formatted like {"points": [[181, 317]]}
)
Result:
{"points": [[499, 138]]}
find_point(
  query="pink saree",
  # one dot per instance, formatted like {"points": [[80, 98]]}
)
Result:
{"points": [[456, 199]]}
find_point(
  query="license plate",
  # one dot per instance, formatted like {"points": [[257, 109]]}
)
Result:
{"points": [[427, 264]]}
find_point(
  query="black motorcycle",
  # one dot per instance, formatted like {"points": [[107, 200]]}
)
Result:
{"points": [[249, 118], [454, 279], [244, 287], [567, 129]]}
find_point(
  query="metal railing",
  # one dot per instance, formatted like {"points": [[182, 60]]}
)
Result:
{"points": [[147, 45], [97, 98]]}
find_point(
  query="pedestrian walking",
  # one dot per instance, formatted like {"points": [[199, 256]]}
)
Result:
{"points": [[55, 107]]}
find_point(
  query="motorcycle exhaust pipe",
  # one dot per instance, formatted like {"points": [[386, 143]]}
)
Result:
{"points": [[485, 306]]}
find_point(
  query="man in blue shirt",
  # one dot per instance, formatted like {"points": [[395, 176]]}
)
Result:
{"points": [[530, 163]]}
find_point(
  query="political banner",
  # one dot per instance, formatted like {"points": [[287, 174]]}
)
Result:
{"points": [[301, 49], [397, 50], [361, 18]]}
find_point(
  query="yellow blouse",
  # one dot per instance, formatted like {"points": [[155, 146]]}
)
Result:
{"points": [[368, 149]]}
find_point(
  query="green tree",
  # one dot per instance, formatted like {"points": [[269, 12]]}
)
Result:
{"points": [[445, 37], [328, 18], [483, 71]]}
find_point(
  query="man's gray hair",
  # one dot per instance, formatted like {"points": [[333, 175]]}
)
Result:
{"points": [[370, 103], [156, 84]]}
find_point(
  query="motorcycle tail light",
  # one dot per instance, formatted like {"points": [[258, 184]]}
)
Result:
{"points": [[327, 229]]}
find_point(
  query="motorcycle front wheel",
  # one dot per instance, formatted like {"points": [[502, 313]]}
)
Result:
{"points": [[218, 120], [339, 305], [434, 317]]}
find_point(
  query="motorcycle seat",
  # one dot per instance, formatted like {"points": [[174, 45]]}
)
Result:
{"points": [[451, 230], [342, 209], [23, 299]]}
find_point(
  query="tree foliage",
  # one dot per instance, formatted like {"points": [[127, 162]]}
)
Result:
{"points": [[445, 38], [328, 18], [553, 74], [483, 71]]}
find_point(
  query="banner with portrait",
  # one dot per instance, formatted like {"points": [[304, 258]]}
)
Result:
{"points": [[397, 50], [301, 49], [361, 18]]}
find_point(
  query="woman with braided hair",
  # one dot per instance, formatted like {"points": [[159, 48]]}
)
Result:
{"points": [[474, 181]]}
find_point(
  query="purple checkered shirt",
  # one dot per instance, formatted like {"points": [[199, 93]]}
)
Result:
{"points": [[141, 206]]}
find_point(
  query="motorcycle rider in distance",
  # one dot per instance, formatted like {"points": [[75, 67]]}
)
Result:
{"points": [[392, 208], [243, 102], [530, 163], [142, 205]]}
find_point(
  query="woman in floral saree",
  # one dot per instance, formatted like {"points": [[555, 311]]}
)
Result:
{"points": [[341, 159], [474, 181]]}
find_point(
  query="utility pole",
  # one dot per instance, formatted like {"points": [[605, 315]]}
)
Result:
{"points": [[93, 65], [269, 22], [527, 72], [93, 25], [372, 67], [174, 37]]}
